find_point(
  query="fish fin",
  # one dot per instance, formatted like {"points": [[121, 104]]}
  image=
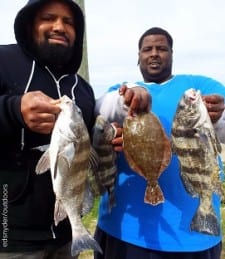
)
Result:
{"points": [[59, 213], [67, 153], [94, 159], [41, 148], [95, 183], [187, 185], [82, 240], [206, 222], [218, 144], [153, 194], [93, 175], [43, 164], [167, 155], [132, 164], [216, 181], [222, 153], [88, 200], [65, 157]]}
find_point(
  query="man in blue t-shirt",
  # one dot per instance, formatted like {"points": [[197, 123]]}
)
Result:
{"points": [[134, 229]]}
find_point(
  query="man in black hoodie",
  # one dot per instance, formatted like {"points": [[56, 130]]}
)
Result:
{"points": [[34, 74]]}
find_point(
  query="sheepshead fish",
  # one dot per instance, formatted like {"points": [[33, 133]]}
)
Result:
{"points": [[103, 134], [197, 147], [148, 151], [68, 160]]}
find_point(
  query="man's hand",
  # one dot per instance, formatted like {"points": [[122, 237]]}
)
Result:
{"points": [[117, 142], [39, 111], [215, 106], [136, 98]]}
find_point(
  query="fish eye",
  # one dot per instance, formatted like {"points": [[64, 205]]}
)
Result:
{"points": [[182, 106], [102, 130]]}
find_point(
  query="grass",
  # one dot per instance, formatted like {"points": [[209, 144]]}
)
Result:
{"points": [[89, 222]]}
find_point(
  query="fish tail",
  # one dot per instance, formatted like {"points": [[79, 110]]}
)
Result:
{"points": [[206, 223], [153, 194], [84, 241]]}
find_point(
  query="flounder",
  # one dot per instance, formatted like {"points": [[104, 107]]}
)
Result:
{"points": [[148, 151]]}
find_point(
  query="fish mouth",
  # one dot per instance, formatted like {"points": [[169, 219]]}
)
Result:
{"points": [[192, 95]]}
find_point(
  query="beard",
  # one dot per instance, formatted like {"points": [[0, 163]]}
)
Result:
{"points": [[54, 56]]}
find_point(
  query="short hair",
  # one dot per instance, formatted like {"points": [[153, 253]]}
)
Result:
{"points": [[153, 31]]}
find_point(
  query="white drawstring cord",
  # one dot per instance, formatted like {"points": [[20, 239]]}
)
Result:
{"points": [[57, 82], [25, 91]]}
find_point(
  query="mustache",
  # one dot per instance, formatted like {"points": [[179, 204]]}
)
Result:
{"points": [[57, 34]]}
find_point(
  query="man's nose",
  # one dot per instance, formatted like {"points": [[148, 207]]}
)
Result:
{"points": [[58, 25], [154, 52]]}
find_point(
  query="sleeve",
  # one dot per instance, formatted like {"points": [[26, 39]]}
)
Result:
{"points": [[111, 104], [111, 107]]}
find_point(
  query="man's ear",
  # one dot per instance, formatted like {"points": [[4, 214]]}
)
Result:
{"points": [[138, 61]]}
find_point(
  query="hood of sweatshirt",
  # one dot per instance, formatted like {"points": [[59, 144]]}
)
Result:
{"points": [[25, 17]]}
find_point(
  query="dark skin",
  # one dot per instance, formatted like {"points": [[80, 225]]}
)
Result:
{"points": [[40, 111], [155, 60], [215, 106], [138, 100]]}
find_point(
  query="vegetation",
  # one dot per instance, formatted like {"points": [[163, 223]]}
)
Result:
{"points": [[90, 222]]}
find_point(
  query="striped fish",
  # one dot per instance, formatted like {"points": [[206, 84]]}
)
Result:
{"points": [[103, 134], [68, 160], [197, 147]]}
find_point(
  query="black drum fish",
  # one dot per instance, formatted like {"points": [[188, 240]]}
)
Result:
{"points": [[197, 147]]}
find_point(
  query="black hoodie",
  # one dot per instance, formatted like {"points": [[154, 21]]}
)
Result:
{"points": [[27, 200]]}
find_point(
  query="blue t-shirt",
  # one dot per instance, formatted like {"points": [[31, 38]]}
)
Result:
{"points": [[165, 227]]}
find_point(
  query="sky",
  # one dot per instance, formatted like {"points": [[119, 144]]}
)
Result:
{"points": [[114, 27]]}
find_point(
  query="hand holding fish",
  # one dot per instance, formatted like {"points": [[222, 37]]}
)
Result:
{"points": [[39, 111], [215, 106], [136, 98]]}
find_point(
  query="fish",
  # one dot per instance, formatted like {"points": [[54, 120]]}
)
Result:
{"points": [[103, 134], [197, 147], [68, 157], [148, 151]]}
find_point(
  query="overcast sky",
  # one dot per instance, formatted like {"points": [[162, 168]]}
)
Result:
{"points": [[114, 27]]}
